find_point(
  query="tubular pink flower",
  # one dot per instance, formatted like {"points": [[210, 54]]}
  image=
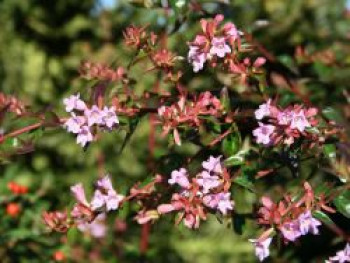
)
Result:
{"points": [[264, 110], [74, 103], [197, 58], [231, 31], [342, 256], [74, 123], [213, 164], [261, 247], [109, 117], [207, 181], [291, 230], [96, 228], [307, 223], [105, 195], [219, 47], [299, 121], [84, 136], [94, 115], [179, 177], [263, 133], [284, 117], [79, 194]]}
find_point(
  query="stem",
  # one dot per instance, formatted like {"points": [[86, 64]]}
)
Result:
{"points": [[145, 231], [21, 131]]}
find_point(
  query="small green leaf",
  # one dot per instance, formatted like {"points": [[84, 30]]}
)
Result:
{"points": [[342, 203], [332, 114], [237, 159], [238, 222], [245, 180], [330, 150], [72, 235], [323, 217]]}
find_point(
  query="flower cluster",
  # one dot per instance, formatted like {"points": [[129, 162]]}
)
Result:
{"points": [[284, 125], [83, 119], [342, 256], [213, 43], [57, 221], [12, 104], [222, 44], [207, 191], [292, 217], [138, 37], [300, 226], [90, 70], [165, 60], [188, 112], [87, 216]]}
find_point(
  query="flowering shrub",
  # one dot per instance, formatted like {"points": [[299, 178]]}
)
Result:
{"points": [[240, 147]]}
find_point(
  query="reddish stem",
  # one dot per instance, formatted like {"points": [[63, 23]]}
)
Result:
{"points": [[21, 131], [144, 238]]}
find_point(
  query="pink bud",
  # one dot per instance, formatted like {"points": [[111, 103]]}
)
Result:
{"points": [[259, 62], [165, 208]]}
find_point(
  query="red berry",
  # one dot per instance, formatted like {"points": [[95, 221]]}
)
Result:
{"points": [[13, 209], [58, 256]]}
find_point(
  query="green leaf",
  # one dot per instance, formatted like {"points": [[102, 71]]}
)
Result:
{"points": [[231, 144], [225, 100], [237, 159], [332, 114], [323, 217], [330, 150], [72, 235], [238, 222], [342, 203], [246, 179]]}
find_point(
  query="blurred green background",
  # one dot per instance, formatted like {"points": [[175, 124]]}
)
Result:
{"points": [[41, 46]]}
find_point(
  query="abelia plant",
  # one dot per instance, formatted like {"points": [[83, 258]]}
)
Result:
{"points": [[239, 145]]}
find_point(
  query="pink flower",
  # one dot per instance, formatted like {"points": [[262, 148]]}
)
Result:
{"points": [[191, 221], [96, 228], [197, 58], [165, 208], [109, 117], [284, 117], [213, 164], [74, 123], [161, 110], [263, 111], [84, 136], [342, 256], [208, 181], [224, 204], [262, 247], [263, 133], [231, 31], [259, 62], [79, 194], [220, 201], [74, 103], [105, 195], [94, 115], [291, 230], [219, 47], [299, 121], [179, 177], [307, 223]]}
